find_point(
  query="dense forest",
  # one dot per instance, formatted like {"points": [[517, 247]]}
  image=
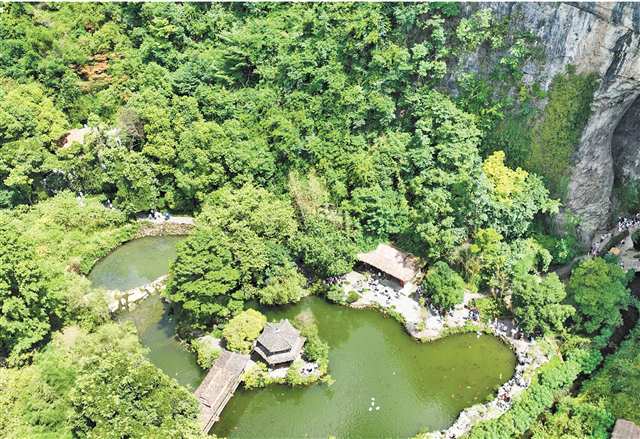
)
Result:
{"points": [[297, 135]]}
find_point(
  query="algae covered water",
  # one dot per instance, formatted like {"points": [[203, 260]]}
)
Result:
{"points": [[386, 384], [157, 331], [135, 263]]}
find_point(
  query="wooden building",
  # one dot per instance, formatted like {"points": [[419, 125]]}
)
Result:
{"points": [[279, 343], [392, 261]]}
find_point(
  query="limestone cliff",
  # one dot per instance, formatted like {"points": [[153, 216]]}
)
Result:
{"points": [[594, 37]]}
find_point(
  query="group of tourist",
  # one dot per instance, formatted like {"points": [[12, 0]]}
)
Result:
{"points": [[506, 392], [374, 284], [623, 224], [155, 215], [503, 329]]}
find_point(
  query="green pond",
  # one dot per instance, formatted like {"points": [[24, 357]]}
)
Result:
{"points": [[135, 263], [415, 386], [157, 331]]}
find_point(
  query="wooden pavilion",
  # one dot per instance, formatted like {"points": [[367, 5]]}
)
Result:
{"points": [[625, 430], [392, 261], [279, 343]]}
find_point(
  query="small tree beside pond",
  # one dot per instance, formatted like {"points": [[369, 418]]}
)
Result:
{"points": [[206, 350], [242, 330], [444, 286]]}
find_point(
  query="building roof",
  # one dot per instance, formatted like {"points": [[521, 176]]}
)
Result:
{"points": [[279, 337], [625, 430], [392, 261], [279, 342], [75, 135]]}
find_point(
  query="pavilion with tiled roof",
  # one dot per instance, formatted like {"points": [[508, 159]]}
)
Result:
{"points": [[279, 343]]}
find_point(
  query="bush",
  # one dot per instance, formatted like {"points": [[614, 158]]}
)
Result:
{"points": [[444, 286], [242, 330], [256, 376], [206, 352], [490, 308], [353, 296], [335, 294]]}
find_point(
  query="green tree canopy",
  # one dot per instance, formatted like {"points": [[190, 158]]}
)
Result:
{"points": [[241, 331], [444, 286], [599, 290], [95, 385], [537, 303], [28, 308]]}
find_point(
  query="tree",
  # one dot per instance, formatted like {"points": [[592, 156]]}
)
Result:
{"points": [[444, 286], [598, 289], [324, 248], [241, 331], [239, 251], [28, 309], [96, 385], [514, 197], [537, 303], [204, 278]]}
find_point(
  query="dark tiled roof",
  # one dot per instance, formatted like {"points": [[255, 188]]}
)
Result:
{"points": [[279, 337], [279, 342]]}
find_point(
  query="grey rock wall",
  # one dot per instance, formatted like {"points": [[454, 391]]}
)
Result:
{"points": [[594, 37]]}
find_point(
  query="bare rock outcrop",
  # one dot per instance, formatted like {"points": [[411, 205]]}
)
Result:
{"points": [[603, 38]]}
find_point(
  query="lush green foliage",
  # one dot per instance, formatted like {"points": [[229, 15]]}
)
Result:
{"points": [[575, 419], [443, 286], [557, 135], [239, 251], [29, 309], [206, 353], [241, 331], [551, 379], [617, 385], [97, 385], [537, 304], [599, 290]]}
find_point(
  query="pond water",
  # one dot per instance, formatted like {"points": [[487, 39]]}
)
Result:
{"points": [[157, 331], [415, 385], [135, 263]]}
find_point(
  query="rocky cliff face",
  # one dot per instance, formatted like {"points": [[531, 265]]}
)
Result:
{"points": [[594, 37]]}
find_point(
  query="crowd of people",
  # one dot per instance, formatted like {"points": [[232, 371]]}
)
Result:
{"points": [[623, 224], [155, 215]]}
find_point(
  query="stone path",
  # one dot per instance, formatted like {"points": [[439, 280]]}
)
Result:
{"points": [[121, 300]]}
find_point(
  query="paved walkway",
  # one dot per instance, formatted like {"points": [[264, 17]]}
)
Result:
{"points": [[188, 220]]}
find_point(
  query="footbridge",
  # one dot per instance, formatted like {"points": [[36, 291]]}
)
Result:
{"points": [[218, 386]]}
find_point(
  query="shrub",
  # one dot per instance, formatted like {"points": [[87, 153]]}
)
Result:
{"points": [[206, 352], [335, 294], [353, 296], [490, 308], [241, 331], [256, 376], [444, 286]]}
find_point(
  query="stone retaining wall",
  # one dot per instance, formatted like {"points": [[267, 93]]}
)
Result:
{"points": [[177, 226]]}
